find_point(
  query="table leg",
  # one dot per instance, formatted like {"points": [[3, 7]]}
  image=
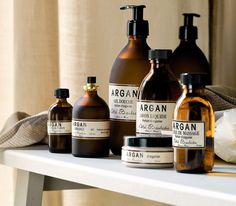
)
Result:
{"points": [[29, 189]]}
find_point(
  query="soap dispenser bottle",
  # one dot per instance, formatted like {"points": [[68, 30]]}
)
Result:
{"points": [[158, 94], [188, 57], [128, 71]]}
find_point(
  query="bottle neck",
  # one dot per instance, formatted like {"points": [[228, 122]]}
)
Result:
{"points": [[62, 100], [157, 63], [139, 40], [188, 41], [90, 89], [194, 89]]}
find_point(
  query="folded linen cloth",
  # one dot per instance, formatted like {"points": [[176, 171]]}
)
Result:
{"points": [[21, 129]]}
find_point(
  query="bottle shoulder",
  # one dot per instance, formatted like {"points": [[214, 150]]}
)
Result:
{"points": [[131, 65], [159, 87], [60, 105], [193, 101]]}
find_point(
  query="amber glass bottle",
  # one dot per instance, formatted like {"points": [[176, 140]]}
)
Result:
{"points": [[188, 57], [128, 71], [193, 127], [158, 94], [90, 124], [59, 123]]}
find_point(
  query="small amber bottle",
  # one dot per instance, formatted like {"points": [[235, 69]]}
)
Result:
{"points": [[59, 123], [90, 124], [193, 127], [158, 94]]}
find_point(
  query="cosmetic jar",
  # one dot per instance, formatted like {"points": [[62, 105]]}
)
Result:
{"points": [[147, 152]]}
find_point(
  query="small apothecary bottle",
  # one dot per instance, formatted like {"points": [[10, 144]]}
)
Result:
{"points": [[157, 97], [59, 123], [193, 127], [90, 124]]}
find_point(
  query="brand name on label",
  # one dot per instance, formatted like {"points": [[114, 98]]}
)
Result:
{"points": [[184, 126], [79, 124], [123, 93], [153, 108]]}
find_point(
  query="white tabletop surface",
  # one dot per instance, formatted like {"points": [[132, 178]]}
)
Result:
{"points": [[162, 185]]}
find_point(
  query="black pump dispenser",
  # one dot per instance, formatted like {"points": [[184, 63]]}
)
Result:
{"points": [[137, 26], [188, 31]]}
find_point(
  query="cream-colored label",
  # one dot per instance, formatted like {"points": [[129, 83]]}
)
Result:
{"points": [[147, 157], [188, 134], [59, 127], [122, 101], [93, 129], [153, 117]]}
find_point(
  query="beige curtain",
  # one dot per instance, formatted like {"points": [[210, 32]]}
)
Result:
{"points": [[46, 44], [223, 42]]}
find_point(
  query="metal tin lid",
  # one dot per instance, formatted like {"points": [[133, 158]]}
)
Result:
{"points": [[160, 141]]}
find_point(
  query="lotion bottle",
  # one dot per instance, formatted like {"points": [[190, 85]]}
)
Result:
{"points": [[158, 94], [188, 57], [128, 71], [193, 127]]}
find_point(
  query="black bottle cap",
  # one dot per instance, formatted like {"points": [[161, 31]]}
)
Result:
{"points": [[137, 26], [188, 31], [159, 54], [61, 93], [160, 141], [91, 80], [199, 79]]}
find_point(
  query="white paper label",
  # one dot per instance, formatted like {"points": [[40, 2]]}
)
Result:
{"points": [[122, 102], [152, 117], [93, 129], [188, 134], [147, 157], [59, 127]]}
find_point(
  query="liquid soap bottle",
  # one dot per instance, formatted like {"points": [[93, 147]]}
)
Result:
{"points": [[59, 123], [128, 71], [90, 124], [193, 127], [158, 94], [188, 57]]}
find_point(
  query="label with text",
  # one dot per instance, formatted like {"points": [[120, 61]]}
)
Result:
{"points": [[147, 157], [59, 127], [188, 134], [94, 129], [122, 101], [153, 117]]}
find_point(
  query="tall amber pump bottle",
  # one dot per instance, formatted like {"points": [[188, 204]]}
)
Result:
{"points": [[128, 71], [188, 57], [158, 94], [90, 124], [59, 123], [193, 127]]}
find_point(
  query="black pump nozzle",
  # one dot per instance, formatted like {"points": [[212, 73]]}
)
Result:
{"points": [[188, 31], [137, 26]]}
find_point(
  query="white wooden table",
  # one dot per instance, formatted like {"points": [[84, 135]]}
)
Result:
{"points": [[39, 170]]}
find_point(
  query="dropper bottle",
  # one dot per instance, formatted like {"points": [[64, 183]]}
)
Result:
{"points": [[128, 71], [188, 57]]}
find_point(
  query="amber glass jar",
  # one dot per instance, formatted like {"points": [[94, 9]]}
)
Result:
{"points": [[90, 124], [59, 123], [193, 127], [128, 71], [158, 94]]}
